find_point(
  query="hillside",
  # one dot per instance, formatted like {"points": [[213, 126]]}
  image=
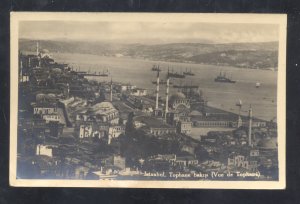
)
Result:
{"points": [[244, 55]]}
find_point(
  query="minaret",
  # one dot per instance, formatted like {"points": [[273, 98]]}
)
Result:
{"points": [[110, 89], [157, 90], [250, 126], [37, 48], [240, 122], [68, 90], [37, 53], [167, 94]]}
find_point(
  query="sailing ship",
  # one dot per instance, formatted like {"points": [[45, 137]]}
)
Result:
{"points": [[175, 75], [188, 73], [223, 79], [155, 68]]}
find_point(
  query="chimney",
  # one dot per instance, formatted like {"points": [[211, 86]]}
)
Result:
{"points": [[157, 89], [250, 126], [110, 89]]}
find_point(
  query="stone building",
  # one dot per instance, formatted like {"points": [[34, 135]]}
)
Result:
{"points": [[103, 112]]}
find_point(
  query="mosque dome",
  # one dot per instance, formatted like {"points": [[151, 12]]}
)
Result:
{"points": [[267, 144], [196, 113], [51, 96], [177, 96], [103, 105], [44, 51], [56, 70]]}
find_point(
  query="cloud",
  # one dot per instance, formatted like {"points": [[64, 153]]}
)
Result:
{"points": [[148, 32]]}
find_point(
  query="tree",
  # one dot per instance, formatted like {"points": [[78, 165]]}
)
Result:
{"points": [[129, 125]]}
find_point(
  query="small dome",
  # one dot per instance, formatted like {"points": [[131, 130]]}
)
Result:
{"points": [[40, 96], [267, 143], [56, 70], [51, 96]]}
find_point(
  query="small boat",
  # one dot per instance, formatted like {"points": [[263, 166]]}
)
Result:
{"points": [[106, 175], [257, 85]]}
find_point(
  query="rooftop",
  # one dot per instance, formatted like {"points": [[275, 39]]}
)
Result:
{"points": [[152, 122]]}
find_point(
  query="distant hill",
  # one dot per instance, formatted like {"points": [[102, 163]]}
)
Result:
{"points": [[244, 55]]}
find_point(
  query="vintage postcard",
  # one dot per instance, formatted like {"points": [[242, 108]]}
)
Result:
{"points": [[148, 100]]}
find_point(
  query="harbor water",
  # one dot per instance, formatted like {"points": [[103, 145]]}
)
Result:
{"points": [[220, 95]]}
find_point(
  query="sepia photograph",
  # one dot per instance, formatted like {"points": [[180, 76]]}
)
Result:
{"points": [[148, 100]]}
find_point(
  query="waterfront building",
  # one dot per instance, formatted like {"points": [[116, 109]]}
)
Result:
{"points": [[224, 120], [139, 92], [154, 126]]}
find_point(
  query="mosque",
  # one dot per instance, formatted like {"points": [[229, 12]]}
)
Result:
{"points": [[179, 112]]}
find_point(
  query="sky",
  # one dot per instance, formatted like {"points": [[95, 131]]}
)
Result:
{"points": [[148, 32]]}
